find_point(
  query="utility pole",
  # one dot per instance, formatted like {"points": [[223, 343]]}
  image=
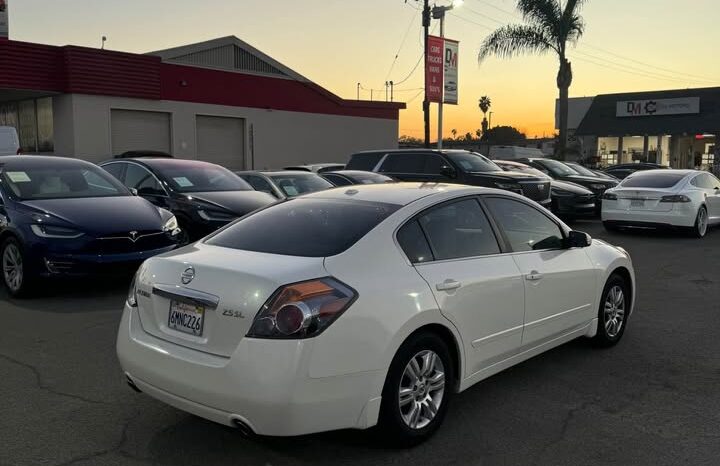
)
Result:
{"points": [[440, 104], [426, 103], [391, 91], [358, 91]]}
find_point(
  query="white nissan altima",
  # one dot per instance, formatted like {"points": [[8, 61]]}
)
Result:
{"points": [[372, 305], [687, 199]]}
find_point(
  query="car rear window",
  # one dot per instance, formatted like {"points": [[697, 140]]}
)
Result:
{"points": [[305, 227], [652, 179]]}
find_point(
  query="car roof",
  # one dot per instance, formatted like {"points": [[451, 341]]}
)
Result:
{"points": [[512, 163], [668, 172], [353, 173], [39, 160], [396, 193], [288, 172], [162, 161]]}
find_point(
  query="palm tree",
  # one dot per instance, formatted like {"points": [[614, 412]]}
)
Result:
{"points": [[549, 27], [454, 133], [484, 104]]}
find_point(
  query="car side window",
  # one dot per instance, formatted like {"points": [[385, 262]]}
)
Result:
{"points": [[459, 229], [413, 242], [115, 169], [259, 184], [433, 164], [403, 163], [337, 180], [526, 228], [139, 178], [715, 183]]}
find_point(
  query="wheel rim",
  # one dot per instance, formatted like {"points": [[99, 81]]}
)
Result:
{"points": [[702, 222], [12, 267], [614, 311], [422, 387]]}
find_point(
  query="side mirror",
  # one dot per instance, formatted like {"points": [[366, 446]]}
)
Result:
{"points": [[134, 191], [578, 239], [448, 171]]}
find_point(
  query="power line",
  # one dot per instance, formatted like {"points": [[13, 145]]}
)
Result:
{"points": [[402, 44], [412, 71], [483, 15], [470, 21], [623, 70]]}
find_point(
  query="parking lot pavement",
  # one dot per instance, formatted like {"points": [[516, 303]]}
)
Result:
{"points": [[654, 399]]}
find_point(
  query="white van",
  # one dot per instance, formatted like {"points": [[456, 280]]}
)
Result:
{"points": [[514, 153], [9, 142]]}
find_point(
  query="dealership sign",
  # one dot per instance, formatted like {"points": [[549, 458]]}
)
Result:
{"points": [[4, 22], [442, 70], [658, 107], [450, 78]]}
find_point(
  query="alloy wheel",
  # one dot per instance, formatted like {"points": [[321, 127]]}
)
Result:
{"points": [[614, 311], [702, 222], [421, 389], [12, 264]]}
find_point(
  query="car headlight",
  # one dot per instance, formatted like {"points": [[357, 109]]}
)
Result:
{"points": [[508, 186], [302, 310], [598, 187], [610, 196], [560, 192], [50, 231], [216, 215], [170, 224]]}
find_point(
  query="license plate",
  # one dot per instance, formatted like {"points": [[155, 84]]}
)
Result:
{"points": [[186, 318], [637, 203]]}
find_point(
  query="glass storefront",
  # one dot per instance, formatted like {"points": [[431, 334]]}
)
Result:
{"points": [[33, 120]]}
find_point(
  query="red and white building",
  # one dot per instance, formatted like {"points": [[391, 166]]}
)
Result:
{"points": [[222, 101]]}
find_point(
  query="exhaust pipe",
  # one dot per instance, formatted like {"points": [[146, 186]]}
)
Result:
{"points": [[131, 384], [244, 429]]}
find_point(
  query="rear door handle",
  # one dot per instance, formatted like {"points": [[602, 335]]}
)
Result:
{"points": [[448, 285], [533, 276]]}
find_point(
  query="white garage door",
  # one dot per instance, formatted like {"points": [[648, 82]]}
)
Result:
{"points": [[140, 130], [221, 140]]}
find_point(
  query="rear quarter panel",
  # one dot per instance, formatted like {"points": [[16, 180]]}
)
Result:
{"points": [[608, 259]]}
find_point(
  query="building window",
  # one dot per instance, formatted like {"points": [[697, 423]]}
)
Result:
{"points": [[45, 130], [33, 120]]}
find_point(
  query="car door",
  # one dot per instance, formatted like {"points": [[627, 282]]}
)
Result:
{"points": [[712, 187], [407, 166], [478, 288], [560, 284]]}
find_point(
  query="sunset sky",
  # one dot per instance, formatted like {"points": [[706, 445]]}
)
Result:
{"points": [[629, 45]]}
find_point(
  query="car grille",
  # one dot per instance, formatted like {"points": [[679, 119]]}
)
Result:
{"points": [[537, 191], [123, 243]]}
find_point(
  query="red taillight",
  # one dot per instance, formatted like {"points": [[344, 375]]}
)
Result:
{"points": [[302, 310]]}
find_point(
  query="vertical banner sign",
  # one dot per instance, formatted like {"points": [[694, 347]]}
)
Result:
{"points": [[4, 21], [450, 79], [434, 71]]}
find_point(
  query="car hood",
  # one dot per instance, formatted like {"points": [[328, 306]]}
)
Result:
{"points": [[100, 215], [237, 202], [571, 187], [503, 175]]}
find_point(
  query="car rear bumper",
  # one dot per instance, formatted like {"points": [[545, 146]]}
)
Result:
{"points": [[264, 384], [677, 217]]}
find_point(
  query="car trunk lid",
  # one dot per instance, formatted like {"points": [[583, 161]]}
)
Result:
{"points": [[228, 287], [643, 199]]}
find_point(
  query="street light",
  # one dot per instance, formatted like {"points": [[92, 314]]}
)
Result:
{"points": [[438, 12]]}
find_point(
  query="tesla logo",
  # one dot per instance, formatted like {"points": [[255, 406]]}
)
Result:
{"points": [[188, 275], [133, 236], [541, 187]]}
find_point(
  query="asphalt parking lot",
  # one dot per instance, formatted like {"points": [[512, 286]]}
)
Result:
{"points": [[652, 400]]}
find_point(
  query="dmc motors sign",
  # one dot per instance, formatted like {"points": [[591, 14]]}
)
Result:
{"points": [[635, 108]]}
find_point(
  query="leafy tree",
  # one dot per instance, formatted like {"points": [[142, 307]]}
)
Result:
{"points": [[550, 25], [504, 135]]}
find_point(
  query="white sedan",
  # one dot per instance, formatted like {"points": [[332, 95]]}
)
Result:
{"points": [[688, 199], [371, 305]]}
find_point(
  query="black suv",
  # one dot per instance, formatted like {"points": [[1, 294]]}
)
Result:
{"points": [[450, 166]]}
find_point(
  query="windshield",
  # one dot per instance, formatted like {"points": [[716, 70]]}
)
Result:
{"points": [[654, 179], [196, 177], [296, 184], [582, 170], [305, 227], [557, 168], [50, 180], [473, 162]]}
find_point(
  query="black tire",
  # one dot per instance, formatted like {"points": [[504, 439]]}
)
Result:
{"points": [[605, 336], [14, 288], [697, 231], [610, 227], [393, 428]]}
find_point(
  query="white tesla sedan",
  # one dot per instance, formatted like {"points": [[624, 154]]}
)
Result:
{"points": [[664, 198], [371, 305]]}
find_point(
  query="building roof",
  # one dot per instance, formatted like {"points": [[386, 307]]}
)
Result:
{"points": [[602, 120]]}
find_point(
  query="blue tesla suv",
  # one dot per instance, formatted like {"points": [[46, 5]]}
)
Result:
{"points": [[67, 217]]}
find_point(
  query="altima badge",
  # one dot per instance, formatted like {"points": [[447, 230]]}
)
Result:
{"points": [[187, 275]]}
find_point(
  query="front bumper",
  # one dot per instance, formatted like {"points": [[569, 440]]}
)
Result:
{"points": [[264, 384], [49, 263], [575, 206]]}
